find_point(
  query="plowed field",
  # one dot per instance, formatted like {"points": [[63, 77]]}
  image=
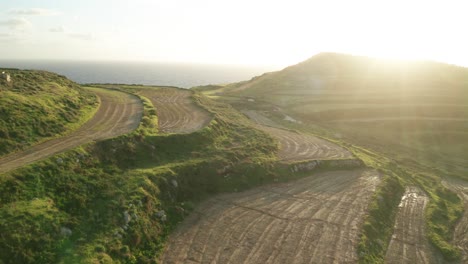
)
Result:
{"points": [[177, 113], [409, 243], [311, 220], [119, 113], [295, 146]]}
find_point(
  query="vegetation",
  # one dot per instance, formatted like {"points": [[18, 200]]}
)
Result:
{"points": [[38, 105], [408, 120], [116, 200]]}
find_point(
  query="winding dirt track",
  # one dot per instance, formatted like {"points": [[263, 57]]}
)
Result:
{"points": [[460, 237], [119, 113], [409, 243], [295, 146], [177, 113], [311, 220]]}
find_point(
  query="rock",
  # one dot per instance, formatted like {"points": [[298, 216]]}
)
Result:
{"points": [[174, 183], [127, 218], [160, 213], [65, 231], [59, 160]]}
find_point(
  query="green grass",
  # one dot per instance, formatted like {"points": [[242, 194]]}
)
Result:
{"points": [[36, 106], [90, 188]]}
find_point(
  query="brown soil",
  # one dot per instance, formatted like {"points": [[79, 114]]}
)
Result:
{"points": [[460, 237], [295, 146], [409, 243], [177, 113], [311, 220], [119, 113]]}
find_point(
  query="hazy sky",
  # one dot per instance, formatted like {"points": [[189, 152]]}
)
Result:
{"points": [[232, 32]]}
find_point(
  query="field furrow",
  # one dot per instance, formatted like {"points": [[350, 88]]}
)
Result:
{"points": [[119, 113], [409, 243], [311, 220], [296, 146], [177, 113]]}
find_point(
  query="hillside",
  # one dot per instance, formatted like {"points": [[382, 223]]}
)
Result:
{"points": [[38, 105], [116, 200], [161, 174], [406, 118], [418, 108]]}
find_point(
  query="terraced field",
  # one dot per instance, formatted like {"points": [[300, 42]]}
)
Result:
{"points": [[177, 113], [311, 220], [119, 113], [409, 243], [461, 230], [296, 146]]}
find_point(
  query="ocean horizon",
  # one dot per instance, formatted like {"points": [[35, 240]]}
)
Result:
{"points": [[182, 75]]}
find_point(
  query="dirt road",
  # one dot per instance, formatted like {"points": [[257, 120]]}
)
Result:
{"points": [[119, 113], [311, 220], [296, 146], [177, 113], [409, 243]]}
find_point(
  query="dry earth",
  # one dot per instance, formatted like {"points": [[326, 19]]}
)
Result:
{"points": [[296, 146], [177, 113], [460, 237], [311, 220], [119, 113], [409, 243]]}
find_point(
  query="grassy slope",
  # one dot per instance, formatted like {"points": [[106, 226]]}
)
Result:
{"points": [[339, 87], [38, 105], [88, 190]]}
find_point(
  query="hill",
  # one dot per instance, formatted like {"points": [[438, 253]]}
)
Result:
{"points": [[412, 110], [406, 118], [39, 105]]}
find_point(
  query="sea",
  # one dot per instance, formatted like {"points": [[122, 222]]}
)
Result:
{"points": [[148, 73]]}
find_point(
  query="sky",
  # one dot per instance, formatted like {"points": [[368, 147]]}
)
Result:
{"points": [[252, 32]]}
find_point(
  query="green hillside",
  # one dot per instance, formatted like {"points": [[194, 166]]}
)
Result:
{"points": [[414, 111], [104, 202], [37, 105]]}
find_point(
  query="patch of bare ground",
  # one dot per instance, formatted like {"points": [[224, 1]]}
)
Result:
{"points": [[177, 113], [460, 237], [409, 243], [296, 146], [310, 220], [119, 113]]}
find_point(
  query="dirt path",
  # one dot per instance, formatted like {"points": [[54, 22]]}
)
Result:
{"points": [[409, 243], [460, 237], [296, 146], [311, 220], [119, 113], [177, 113]]}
